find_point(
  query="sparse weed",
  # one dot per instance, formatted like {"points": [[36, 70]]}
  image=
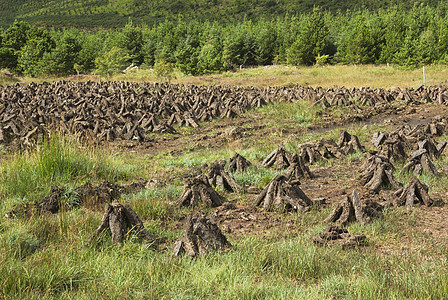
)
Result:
{"points": [[255, 176], [303, 112], [154, 203]]}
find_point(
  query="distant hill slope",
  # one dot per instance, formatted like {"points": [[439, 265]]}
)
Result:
{"points": [[112, 13]]}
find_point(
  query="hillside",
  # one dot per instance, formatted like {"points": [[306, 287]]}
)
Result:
{"points": [[112, 13]]}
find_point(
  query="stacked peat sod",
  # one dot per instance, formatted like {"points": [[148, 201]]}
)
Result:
{"points": [[352, 209], [328, 148], [377, 173], [198, 192], [419, 138], [282, 194], [238, 163], [121, 220], [393, 146], [414, 193], [217, 176], [333, 235], [107, 111], [201, 235]]}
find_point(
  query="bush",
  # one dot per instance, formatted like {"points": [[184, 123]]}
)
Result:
{"points": [[164, 70], [113, 61]]}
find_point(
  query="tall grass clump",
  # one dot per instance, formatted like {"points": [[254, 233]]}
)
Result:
{"points": [[58, 160]]}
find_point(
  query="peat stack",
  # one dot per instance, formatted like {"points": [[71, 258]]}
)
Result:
{"points": [[218, 177], [411, 134], [351, 209], [278, 157], [333, 235], [394, 149], [283, 195], [349, 143], [414, 193], [130, 110], [419, 161], [379, 138], [377, 172], [391, 146], [309, 152], [232, 110], [185, 119], [322, 101], [329, 149], [198, 191], [437, 127], [297, 169], [164, 128], [201, 236], [120, 220], [433, 148], [238, 164], [324, 149]]}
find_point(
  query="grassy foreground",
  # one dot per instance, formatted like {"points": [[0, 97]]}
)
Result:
{"points": [[49, 257]]}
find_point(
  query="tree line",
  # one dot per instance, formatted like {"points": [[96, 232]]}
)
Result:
{"points": [[406, 38]]}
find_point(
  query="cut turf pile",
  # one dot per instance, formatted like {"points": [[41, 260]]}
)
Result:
{"points": [[108, 111]]}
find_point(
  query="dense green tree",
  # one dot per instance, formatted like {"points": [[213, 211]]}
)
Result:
{"points": [[188, 48], [407, 54], [394, 34], [131, 39], [426, 49], [30, 57], [287, 30], [187, 55], [411, 38], [240, 46], [165, 42], [441, 47], [210, 57], [90, 49], [266, 40], [14, 38], [63, 57], [311, 41], [360, 45]]}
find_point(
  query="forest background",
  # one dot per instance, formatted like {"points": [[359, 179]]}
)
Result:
{"points": [[214, 36]]}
